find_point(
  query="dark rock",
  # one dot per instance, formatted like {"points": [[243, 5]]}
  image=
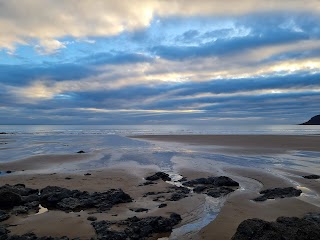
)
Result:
{"points": [[180, 189], [139, 209], [212, 186], [148, 183], [81, 151], [219, 192], [3, 133], [74, 200], [87, 174], [278, 193], [200, 189], [285, 228], [312, 176], [103, 231], [3, 233], [19, 189], [223, 181], [152, 193], [136, 228], [32, 205], [9, 171], [9, 199], [70, 204], [68, 178], [162, 205], [159, 175], [91, 218], [30, 198], [183, 179], [20, 210], [3, 216], [177, 196], [214, 181], [313, 121]]}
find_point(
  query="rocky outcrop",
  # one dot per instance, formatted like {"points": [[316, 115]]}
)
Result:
{"points": [[21, 199], [159, 175], [313, 121], [293, 228], [213, 186], [136, 228], [312, 176], [278, 193], [75, 200]]}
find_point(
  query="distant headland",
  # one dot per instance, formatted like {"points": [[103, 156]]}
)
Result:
{"points": [[313, 121]]}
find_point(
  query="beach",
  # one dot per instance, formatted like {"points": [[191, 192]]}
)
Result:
{"points": [[256, 162]]}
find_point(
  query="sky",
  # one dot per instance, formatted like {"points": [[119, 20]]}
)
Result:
{"points": [[159, 62]]}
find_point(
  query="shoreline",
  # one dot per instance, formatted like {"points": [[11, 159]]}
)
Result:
{"points": [[237, 206]]}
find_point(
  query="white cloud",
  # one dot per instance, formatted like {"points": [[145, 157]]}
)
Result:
{"points": [[23, 21], [49, 46]]}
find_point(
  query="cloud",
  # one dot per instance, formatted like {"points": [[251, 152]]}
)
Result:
{"points": [[22, 22], [49, 46]]}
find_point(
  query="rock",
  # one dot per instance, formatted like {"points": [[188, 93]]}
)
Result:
{"points": [[212, 186], [200, 189], [103, 232], [183, 179], [162, 205], [223, 181], [306, 228], [177, 196], [91, 218], [3, 233], [68, 178], [219, 192], [313, 121], [19, 189], [312, 176], [278, 193], [81, 151], [3, 216], [3, 133], [139, 209], [87, 174], [30, 198], [159, 175], [20, 210], [75, 200], [9, 199], [70, 204], [213, 181], [8, 171], [136, 228], [148, 183]]}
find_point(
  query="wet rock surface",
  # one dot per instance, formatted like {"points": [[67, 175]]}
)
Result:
{"points": [[179, 193], [135, 228], [75, 200], [293, 228], [312, 176], [278, 193], [213, 186], [3, 216], [159, 175], [20, 199]]}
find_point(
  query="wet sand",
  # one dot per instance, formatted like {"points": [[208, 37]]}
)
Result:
{"points": [[127, 176], [257, 143]]}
